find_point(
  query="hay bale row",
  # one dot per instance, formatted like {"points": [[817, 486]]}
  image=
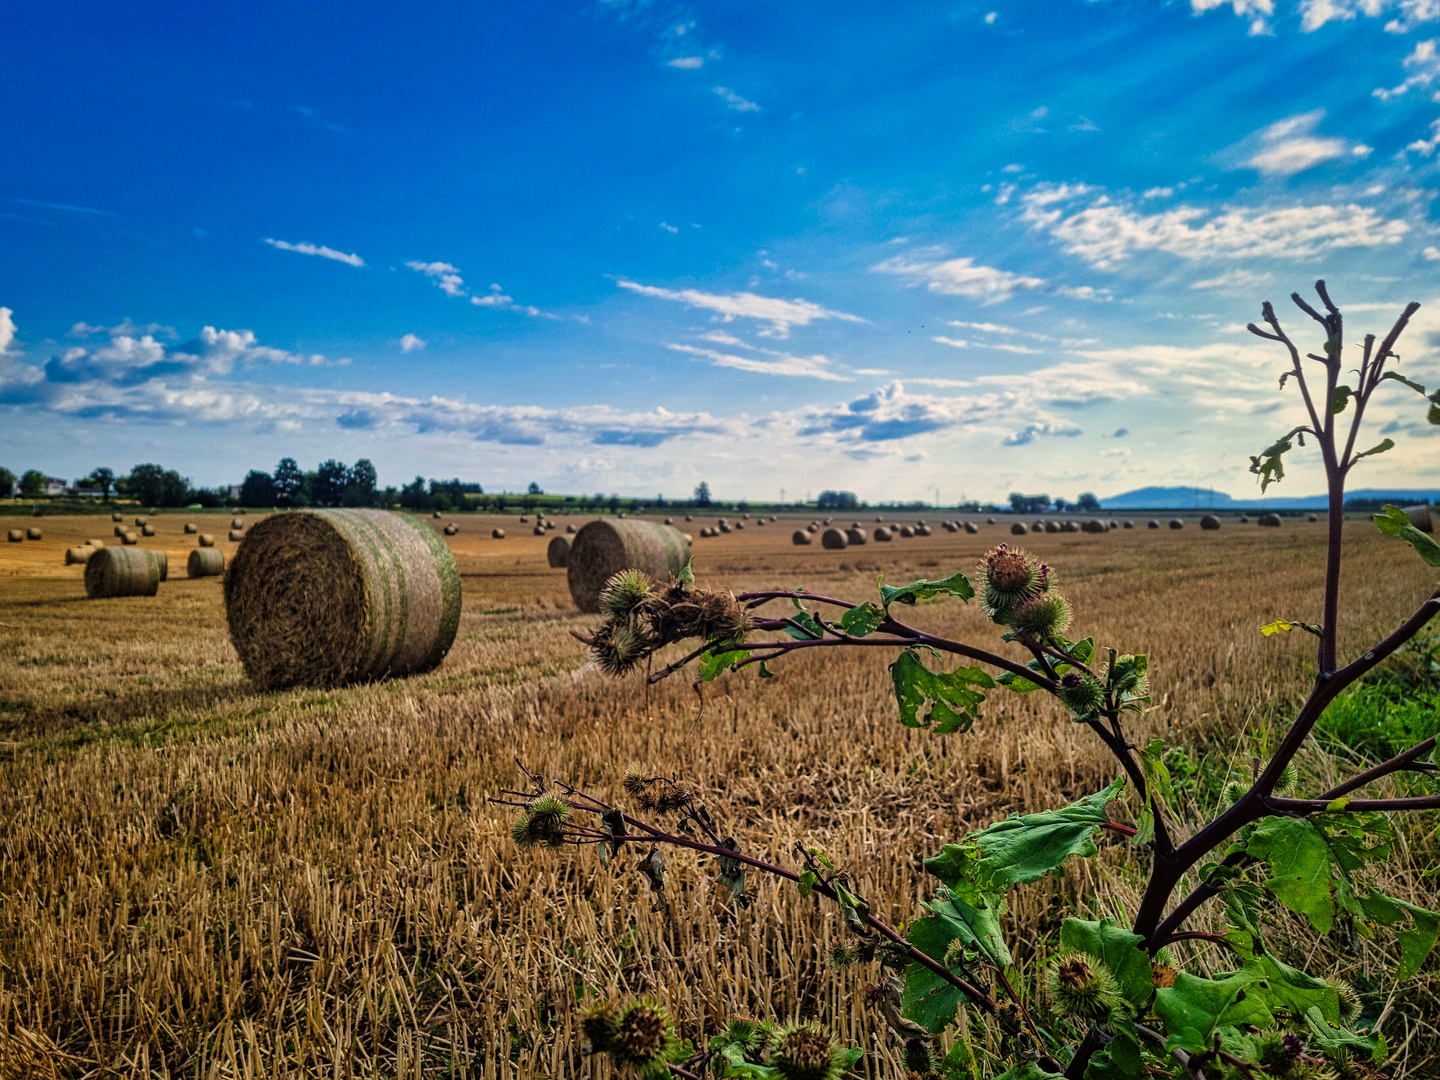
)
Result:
{"points": [[602, 549], [1019, 528], [558, 553], [206, 563], [113, 572], [327, 597], [834, 539]]}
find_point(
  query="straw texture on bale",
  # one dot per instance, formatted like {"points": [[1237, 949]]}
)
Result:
{"points": [[558, 553], [122, 572], [1018, 529], [1420, 517], [162, 560], [235, 535], [327, 597], [800, 538], [191, 527], [79, 554], [856, 536], [15, 536], [1210, 522], [120, 530], [34, 534], [1270, 521], [833, 539], [207, 540], [207, 563], [602, 549]]}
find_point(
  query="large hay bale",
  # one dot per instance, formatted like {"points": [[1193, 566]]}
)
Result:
{"points": [[1420, 517], [669, 521], [524, 518], [79, 554], [812, 527], [833, 539], [207, 563], [1018, 529], [436, 514], [237, 523], [1210, 522], [34, 534], [1245, 519], [497, 534], [191, 527], [16, 536], [800, 537], [603, 548], [856, 535], [1176, 523], [235, 536], [1095, 525], [147, 530], [326, 597], [117, 516], [122, 572], [558, 553], [162, 560], [1270, 521], [207, 540], [129, 538]]}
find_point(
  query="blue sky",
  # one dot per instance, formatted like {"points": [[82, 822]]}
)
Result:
{"points": [[618, 246]]}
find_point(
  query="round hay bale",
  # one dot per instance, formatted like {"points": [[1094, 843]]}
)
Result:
{"points": [[721, 521], [739, 525], [922, 529], [191, 527], [1152, 524], [524, 519], [79, 554], [1210, 522], [688, 538], [669, 521], [237, 523], [34, 534], [989, 521], [878, 519], [883, 535], [724, 528], [327, 597], [1270, 521], [856, 536], [207, 563], [829, 521], [1176, 523], [1037, 527], [96, 543], [571, 528], [1420, 517], [117, 516], [907, 531], [147, 530], [558, 553], [539, 530], [603, 548], [240, 510], [833, 539], [206, 540], [812, 527], [497, 534], [120, 572], [436, 514], [129, 538], [800, 537], [1113, 523], [120, 530], [1052, 526], [746, 515], [451, 529], [949, 526], [1312, 517], [235, 536], [971, 527], [1070, 527], [1095, 525], [1245, 519], [689, 517], [1128, 524], [142, 520], [621, 514], [16, 536]]}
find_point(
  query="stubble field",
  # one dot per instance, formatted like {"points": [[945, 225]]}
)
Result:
{"points": [[200, 880]]}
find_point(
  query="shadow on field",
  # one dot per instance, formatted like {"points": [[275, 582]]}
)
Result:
{"points": [[134, 716]]}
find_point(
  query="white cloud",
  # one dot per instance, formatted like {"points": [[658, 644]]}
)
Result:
{"points": [[990, 17], [1423, 65], [7, 329], [1257, 11], [780, 314], [735, 101], [1426, 147], [810, 367], [1288, 146], [1002, 346], [1431, 253], [670, 228], [1158, 193], [411, 342], [1316, 13], [965, 277], [447, 277], [983, 327], [494, 298], [317, 249], [1234, 279], [125, 328], [686, 63], [722, 338], [1105, 233]]}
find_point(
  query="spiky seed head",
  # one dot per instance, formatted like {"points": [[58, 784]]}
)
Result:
{"points": [[1081, 694], [745, 1032], [1289, 779], [804, 1051], [1349, 1000], [1130, 681], [1233, 792], [919, 1058], [1162, 975], [644, 1036], [1042, 616], [842, 955], [1008, 577], [542, 822], [624, 592], [635, 781], [675, 796], [1081, 987], [619, 650], [599, 1025]]}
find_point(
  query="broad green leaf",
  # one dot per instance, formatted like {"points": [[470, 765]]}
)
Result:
{"points": [[945, 699], [807, 629], [1334, 1038], [1289, 988], [928, 999], [1340, 399], [853, 908], [1299, 858], [1415, 942], [1158, 787], [806, 883], [959, 1063], [713, 664], [1392, 522], [1028, 1071], [1378, 448], [1195, 1008], [1116, 947], [1021, 849], [977, 928], [1401, 379], [686, 577], [862, 620], [957, 584]]}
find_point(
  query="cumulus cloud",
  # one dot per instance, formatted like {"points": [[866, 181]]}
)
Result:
{"points": [[1105, 233], [810, 367], [965, 277], [1289, 146], [1316, 13], [318, 249], [1257, 11], [447, 278], [686, 63], [7, 329], [1423, 67], [411, 342], [780, 314]]}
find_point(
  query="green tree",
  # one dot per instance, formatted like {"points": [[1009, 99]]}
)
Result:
{"points": [[702, 494], [32, 484], [360, 486], [328, 486], [1088, 501], [534, 488], [258, 489], [103, 479], [289, 481], [413, 496], [8, 481]]}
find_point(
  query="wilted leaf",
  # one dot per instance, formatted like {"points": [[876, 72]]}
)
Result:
{"points": [[1378, 448]]}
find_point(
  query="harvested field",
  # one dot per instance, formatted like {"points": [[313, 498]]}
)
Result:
{"points": [[197, 879]]}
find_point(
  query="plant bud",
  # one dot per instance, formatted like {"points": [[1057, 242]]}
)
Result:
{"points": [[1009, 576], [745, 1032], [804, 1051], [644, 1037], [842, 955], [1234, 791], [1042, 616], [1081, 987], [1162, 975], [542, 823], [1080, 693]]}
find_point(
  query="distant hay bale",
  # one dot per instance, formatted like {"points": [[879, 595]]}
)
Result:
{"points": [[971, 527], [907, 531], [95, 543], [669, 521], [828, 521], [1019, 528], [497, 534], [558, 553], [327, 597], [1312, 517], [206, 540], [883, 534], [1210, 522], [191, 527], [1152, 524], [524, 518], [688, 538], [451, 529], [855, 536], [721, 521], [147, 530], [112, 572], [739, 525], [922, 530], [800, 537], [571, 528], [812, 527], [16, 536], [688, 517], [142, 520], [949, 526], [237, 523], [240, 510], [34, 534], [1269, 521], [1052, 526], [436, 514], [117, 516], [1095, 525], [833, 539], [1070, 527], [120, 530], [1420, 517], [129, 538], [1128, 524], [602, 549], [724, 528], [539, 530], [1245, 519], [235, 536], [207, 563], [1176, 523], [79, 554], [989, 521]]}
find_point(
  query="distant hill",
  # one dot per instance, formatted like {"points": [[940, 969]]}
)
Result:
{"points": [[1194, 498]]}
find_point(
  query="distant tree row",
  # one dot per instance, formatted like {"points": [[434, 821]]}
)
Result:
{"points": [[1038, 504], [332, 483]]}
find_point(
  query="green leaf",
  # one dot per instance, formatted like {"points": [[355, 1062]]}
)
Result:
{"points": [[1378, 448], [807, 628], [1340, 399], [1159, 788], [1194, 1008], [1116, 947], [806, 883], [945, 699], [1021, 849], [1392, 522], [959, 1063], [957, 584], [1289, 988], [765, 672], [1028, 1071], [713, 664], [1415, 942], [853, 908], [977, 928], [1268, 465], [686, 577], [1299, 858], [1082, 650], [929, 999], [862, 620], [1336, 1039], [1401, 379], [1285, 625]]}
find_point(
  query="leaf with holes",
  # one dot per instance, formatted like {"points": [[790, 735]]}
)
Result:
{"points": [[948, 701]]}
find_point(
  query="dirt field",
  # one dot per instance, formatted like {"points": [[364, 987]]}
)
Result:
{"points": [[199, 880]]}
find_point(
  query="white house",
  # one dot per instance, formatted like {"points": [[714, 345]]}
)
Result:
{"points": [[54, 485]]}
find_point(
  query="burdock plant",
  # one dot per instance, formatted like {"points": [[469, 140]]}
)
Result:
{"points": [[1115, 1003]]}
